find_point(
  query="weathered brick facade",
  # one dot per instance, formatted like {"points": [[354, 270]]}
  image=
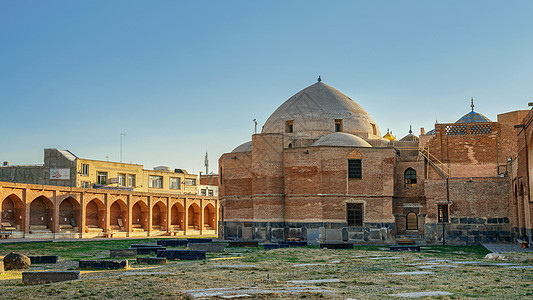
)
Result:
{"points": [[295, 184]]}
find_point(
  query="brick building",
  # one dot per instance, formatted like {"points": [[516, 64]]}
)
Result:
{"points": [[320, 170]]}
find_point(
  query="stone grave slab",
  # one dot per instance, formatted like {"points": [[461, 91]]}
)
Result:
{"points": [[438, 266], [173, 243], [43, 259], [413, 273], [274, 246], [42, 277], [421, 294], [313, 281], [294, 243], [117, 253], [241, 267], [196, 241], [519, 267], [307, 265], [243, 243], [151, 260], [336, 245], [103, 264], [208, 247], [1, 266], [234, 292], [385, 257], [182, 254], [404, 248], [149, 250]]}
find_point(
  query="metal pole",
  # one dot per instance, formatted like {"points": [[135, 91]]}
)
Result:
{"points": [[121, 135]]}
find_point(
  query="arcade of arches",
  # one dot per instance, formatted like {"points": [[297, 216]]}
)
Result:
{"points": [[35, 211]]}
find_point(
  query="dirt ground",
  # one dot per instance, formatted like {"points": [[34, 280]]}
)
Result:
{"points": [[290, 273]]}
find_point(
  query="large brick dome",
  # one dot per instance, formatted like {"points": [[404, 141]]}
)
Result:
{"points": [[315, 111]]}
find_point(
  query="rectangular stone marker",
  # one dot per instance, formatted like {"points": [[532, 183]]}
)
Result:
{"points": [[213, 247], [243, 243], [274, 246], [336, 245], [412, 273], [404, 248], [421, 294], [294, 243], [103, 264], [32, 278], [151, 260], [182, 254], [144, 245], [1, 266], [196, 241], [173, 243], [43, 259], [116, 253], [314, 281], [149, 250]]}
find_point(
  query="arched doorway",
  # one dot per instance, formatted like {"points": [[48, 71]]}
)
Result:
{"points": [[95, 216], [139, 215], [12, 216], [411, 221], [118, 213], [177, 217], [69, 215], [159, 219], [41, 212], [193, 215], [210, 217]]}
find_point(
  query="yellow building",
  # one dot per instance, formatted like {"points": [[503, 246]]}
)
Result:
{"points": [[64, 168]]}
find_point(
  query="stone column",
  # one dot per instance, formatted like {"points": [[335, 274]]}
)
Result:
{"points": [[202, 221], [169, 211], [83, 215], [55, 213], [150, 207], [107, 212], [129, 222], [185, 216]]}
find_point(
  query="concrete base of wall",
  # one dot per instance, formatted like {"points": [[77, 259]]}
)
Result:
{"points": [[314, 233], [469, 231]]}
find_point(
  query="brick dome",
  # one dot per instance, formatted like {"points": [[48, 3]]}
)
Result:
{"points": [[244, 147], [314, 111], [341, 139]]}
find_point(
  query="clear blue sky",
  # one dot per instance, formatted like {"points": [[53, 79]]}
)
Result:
{"points": [[183, 77]]}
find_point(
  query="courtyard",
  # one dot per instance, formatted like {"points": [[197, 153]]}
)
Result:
{"points": [[366, 272]]}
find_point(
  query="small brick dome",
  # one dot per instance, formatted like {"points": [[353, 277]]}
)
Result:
{"points": [[245, 147], [341, 139]]}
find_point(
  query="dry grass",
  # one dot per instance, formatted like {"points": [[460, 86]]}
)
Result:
{"points": [[360, 277]]}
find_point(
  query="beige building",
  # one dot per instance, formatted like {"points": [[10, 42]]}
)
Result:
{"points": [[63, 168]]}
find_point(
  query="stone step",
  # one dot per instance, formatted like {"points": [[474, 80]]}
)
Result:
{"points": [[38, 227], [40, 231]]}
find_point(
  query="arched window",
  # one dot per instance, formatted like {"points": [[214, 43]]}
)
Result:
{"points": [[411, 221], [409, 178]]}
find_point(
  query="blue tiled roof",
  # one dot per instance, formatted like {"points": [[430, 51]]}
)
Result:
{"points": [[432, 131], [473, 117]]}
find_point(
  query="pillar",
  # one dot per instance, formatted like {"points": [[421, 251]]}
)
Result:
{"points": [[83, 215], [149, 200]]}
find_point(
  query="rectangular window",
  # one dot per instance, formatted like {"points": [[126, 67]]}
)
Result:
{"points": [[210, 193], [174, 183], [289, 126], [190, 181], [85, 169], [131, 180], [354, 214], [203, 192], [355, 169], [102, 178], [338, 125], [85, 184], [155, 182], [122, 179], [442, 211]]}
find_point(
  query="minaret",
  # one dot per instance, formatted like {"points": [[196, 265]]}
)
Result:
{"points": [[206, 164]]}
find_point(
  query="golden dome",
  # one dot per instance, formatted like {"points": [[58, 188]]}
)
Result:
{"points": [[389, 136]]}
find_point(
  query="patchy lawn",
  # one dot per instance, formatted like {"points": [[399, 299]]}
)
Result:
{"points": [[363, 273]]}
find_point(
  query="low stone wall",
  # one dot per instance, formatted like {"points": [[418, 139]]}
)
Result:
{"points": [[212, 247], [117, 253], [43, 259], [314, 233], [42, 277], [469, 231], [103, 264]]}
